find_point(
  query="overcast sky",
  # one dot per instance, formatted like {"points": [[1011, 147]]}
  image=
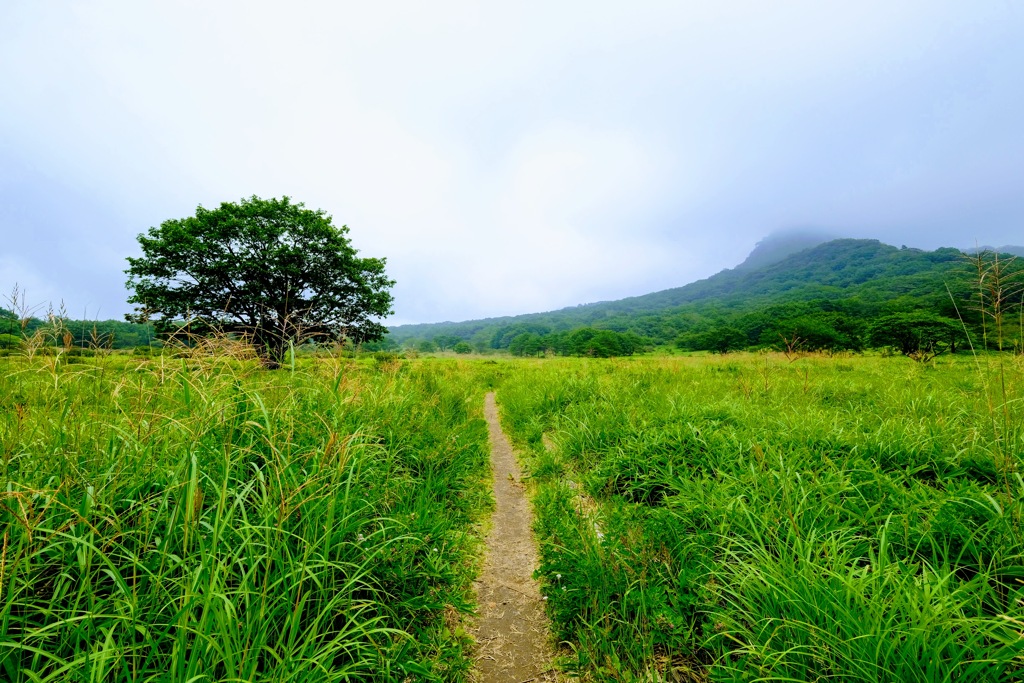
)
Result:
{"points": [[506, 157]]}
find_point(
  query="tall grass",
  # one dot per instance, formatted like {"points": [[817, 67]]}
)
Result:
{"points": [[746, 518], [735, 518], [202, 520]]}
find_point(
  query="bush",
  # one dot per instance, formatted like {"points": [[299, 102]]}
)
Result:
{"points": [[9, 341], [462, 347], [382, 358]]}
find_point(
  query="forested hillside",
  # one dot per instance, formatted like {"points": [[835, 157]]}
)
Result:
{"points": [[114, 334], [832, 292]]}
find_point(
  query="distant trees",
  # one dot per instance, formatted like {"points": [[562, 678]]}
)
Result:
{"points": [[718, 339], [585, 341], [446, 341], [378, 345], [601, 343], [503, 336], [856, 280], [526, 344], [828, 300], [114, 334], [920, 335], [917, 334], [462, 347], [823, 332]]}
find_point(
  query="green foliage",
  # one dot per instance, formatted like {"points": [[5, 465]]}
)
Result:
{"points": [[719, 339], [585, 341], [208, 521], [462, 347], [999, 299], [115, 334], [759, 519], [921, 336], [9, 341], [445, 341], [822, 332], [600, 343], [526, 344], [503, 337], [833, 283], [384, 344], [385, 359], [110, 333], [266, 268]]}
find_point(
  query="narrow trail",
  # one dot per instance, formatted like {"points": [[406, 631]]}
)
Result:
{"points": [[512, 629]]}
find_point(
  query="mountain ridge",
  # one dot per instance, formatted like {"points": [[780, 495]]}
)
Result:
{"points": [[865, 273]]}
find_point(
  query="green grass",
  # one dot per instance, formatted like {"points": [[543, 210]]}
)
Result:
{"points": [[737, 518], [208, 521], [745, 518]]}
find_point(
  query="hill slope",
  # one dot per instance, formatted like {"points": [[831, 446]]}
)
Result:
{"points": [[861, 277], [779, 245]]}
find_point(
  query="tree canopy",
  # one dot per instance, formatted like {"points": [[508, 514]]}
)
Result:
{"points": [[920, 336], [269, 269]]}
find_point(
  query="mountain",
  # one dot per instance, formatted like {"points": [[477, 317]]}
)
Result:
{"points": [[779, 245], [862, 278], [1005, 249]]}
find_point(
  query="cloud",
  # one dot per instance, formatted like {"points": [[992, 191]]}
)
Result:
{"points": [[507, 158]]}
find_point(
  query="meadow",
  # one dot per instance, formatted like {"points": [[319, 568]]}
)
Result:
{"points": [[201, 519], [728, 518], [754, 518]]}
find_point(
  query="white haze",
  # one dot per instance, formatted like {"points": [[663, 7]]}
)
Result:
{"points": [[506, 157]]}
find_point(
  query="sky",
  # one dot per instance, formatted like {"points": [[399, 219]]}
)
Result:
{"points": [[507, 157]]}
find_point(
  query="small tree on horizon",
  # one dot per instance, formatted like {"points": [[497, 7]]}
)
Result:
{"points": [[268, 269]]}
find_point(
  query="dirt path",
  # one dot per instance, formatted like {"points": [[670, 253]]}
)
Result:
{"points": [[512, 629]]}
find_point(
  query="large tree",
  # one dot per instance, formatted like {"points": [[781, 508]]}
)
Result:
{"points": [[269, 269], [919, 335]]}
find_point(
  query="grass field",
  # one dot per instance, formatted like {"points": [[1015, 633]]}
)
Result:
{"points": [[747, 518], [201, 520], [719, 518]]}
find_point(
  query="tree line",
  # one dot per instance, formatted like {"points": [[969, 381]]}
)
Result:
{"points": [[846, 295], [82, 334]]}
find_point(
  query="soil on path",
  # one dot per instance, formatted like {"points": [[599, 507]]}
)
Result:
{"points": [[511, 630]]}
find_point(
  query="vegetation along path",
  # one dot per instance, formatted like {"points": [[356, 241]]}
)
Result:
{"points": [[512, 629]]}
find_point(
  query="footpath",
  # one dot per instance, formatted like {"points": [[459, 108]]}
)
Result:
{"points": [[512, 629]]}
